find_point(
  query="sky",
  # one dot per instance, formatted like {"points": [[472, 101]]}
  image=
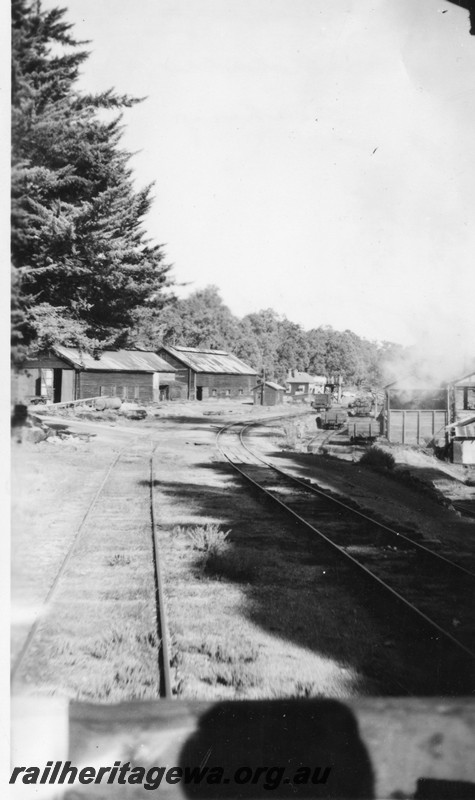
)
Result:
{"points": [[312, 156]]}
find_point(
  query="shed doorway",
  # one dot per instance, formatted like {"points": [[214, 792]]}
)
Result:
{"points": [[57, 384], [63, 385], [156, 387]]}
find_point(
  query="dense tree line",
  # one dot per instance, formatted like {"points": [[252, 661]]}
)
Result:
{"points": [[83, 269], [84, 272], [267, 341]]}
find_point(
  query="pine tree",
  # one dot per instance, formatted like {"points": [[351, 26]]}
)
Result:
{"points": [[84, 268]]}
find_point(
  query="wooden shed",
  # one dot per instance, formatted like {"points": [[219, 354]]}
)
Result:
{"points": [[268, 393], [204, 374], [414, 413], [66, 373]]}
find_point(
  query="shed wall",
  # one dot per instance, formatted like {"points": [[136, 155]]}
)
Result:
{"points": [[464, 451], [272, 397], [47, 361], [299, 389], [127, 385], [415, 426], [224, 385], [181, 385]]}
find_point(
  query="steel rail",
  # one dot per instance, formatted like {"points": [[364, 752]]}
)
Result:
{"points": [[162, 626], [416, 545], [162, 621], [421, 616]]}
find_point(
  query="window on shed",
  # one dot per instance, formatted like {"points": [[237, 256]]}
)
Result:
{"points": [[469, 404], [136, 392], [241, 391], [214, 393], [103, 390], [228, 392]]}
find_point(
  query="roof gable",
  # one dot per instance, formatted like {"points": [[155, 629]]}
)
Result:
{"points": [[114, 360], [271, 384], [214, 361], [466, 380]]}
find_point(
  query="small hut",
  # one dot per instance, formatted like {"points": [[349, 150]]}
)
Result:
{"points": [[268, 393]]}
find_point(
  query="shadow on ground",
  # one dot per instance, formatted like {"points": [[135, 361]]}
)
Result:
{"points": [[278, 563]]}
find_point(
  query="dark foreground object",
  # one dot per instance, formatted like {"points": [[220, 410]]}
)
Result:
{"points": [[372, 748]]}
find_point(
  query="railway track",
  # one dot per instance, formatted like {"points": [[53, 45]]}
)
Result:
{"points": [[115, 519], [465, 507], [423, 587]]}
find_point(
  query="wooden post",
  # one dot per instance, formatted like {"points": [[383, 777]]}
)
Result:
{"points": [[388, 417]]}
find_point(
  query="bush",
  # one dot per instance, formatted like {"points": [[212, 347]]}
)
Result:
{"points": [[378, 459], [208, 539]]}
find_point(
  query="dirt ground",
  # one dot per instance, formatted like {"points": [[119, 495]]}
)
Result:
{"points": [[242, 625], [415, 497]]}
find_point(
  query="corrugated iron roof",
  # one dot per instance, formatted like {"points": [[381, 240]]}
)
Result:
{"points": [[460, 422], [115, 360], [463, 428], [464, 431], [272, 385], [215, 361]]}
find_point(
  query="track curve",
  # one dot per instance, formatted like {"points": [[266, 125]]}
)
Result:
{"points": [[416, 578]]}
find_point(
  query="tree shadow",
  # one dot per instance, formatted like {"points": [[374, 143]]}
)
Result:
{"points": [[416, 480], [276, 560]]}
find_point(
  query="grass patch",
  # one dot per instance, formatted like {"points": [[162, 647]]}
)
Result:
{"points": [[236, 677], [118, 560], [230, 652]]}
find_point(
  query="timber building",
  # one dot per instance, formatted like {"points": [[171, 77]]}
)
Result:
{"points": [[63, 374], [203, 374]]}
